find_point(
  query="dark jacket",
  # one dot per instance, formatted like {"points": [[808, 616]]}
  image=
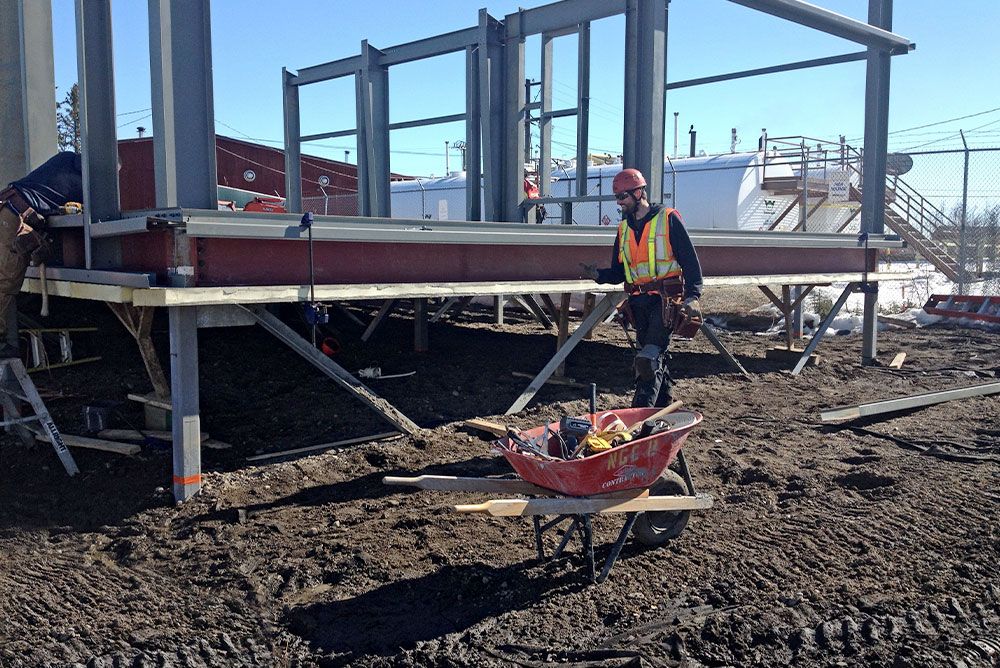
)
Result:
{"points": [[57, 181], [683, 250]]}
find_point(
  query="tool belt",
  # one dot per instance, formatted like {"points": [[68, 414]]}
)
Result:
{"points": [[28, 238], [675, 317]]}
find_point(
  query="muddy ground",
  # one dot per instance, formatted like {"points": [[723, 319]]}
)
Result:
{"points": [[870, 545]]}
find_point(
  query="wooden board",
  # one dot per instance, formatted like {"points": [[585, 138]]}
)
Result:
{"points": [[897, 361], [133, 435], [572, 506], [494, 428], [447, 483], [96, 444]]}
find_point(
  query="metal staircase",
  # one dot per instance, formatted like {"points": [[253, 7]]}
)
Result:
{"points": [[925, 228]]}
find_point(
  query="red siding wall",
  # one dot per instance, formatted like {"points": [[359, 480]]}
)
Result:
{"points": [[234, 158]]}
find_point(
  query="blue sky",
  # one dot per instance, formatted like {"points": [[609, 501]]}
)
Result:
{"points": [[952, 73]]}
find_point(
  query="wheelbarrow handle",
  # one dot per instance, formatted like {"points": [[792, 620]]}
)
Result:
{"points": [[657, 415]]}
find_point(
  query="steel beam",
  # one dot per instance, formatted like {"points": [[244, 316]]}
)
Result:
{"points": [[545, 121], [27, 79], [559, 16], [876, 35], [823, 326], [492, 109], [601, 310], [787, 67], [326, 71], [293, 144], [430, 47], [514, 101], [331, 369], [645, 74], [180, 55], [372, 82], [582, 107], [906, 403], [434, 120], [874, 160], [186, 421], [329, 135], [473, 146]]}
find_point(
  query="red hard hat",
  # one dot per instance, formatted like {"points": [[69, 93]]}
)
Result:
{"points": [[628, 179]]}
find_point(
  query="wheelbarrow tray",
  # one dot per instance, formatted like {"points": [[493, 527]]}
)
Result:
{"points": [[633, 465]]}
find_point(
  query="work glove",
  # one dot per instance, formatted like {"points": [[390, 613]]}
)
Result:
{"points": [[589, 270], [692, 308]]}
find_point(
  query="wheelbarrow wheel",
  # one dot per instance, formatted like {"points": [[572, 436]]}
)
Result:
{"points": [[656, 528]]}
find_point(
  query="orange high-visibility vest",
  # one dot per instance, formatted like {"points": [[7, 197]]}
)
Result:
{"points": [[650, 258]]}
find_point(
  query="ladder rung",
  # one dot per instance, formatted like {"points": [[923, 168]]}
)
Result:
{"points": [[30, 418]]}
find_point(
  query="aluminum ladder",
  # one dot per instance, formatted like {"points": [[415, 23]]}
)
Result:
{"points": [[11, 370]]}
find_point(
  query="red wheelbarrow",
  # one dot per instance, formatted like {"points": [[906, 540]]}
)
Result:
{"points": [[634, 478]]}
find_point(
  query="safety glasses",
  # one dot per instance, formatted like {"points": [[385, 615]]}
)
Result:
{"points": [[622, 196]]}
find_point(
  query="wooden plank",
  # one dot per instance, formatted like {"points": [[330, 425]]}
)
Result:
{"points": [[134, 435], [93, 291], [494, 428], [575, 506], [96, 444], [899, 322], [905, 403], [389, 435], [152, 400], [447, 483], [897, 361]]}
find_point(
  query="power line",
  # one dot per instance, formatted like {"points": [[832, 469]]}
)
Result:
{"points": [[928, 125]]}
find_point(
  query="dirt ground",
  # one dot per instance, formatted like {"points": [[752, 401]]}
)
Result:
{"points": [[874, 544]]}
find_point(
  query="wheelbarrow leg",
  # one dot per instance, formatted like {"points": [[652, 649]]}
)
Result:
{"points": [[685, 472], [588, 546], [538, 536], [616, 548], [566, 536]]}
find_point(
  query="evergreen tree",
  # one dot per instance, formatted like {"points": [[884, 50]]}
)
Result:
{"points": [[68, 120]]}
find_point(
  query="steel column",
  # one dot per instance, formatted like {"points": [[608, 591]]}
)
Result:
{"points": [[180, 65], [184, 400], [473, 121], [544, 120], [874, 158], [372, 82], [513, 118], [293, 144], [27, 79], [582, 107], [492, 110], [98, 134], [645, 77]]}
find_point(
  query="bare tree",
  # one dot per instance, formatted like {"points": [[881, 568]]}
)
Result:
{"points": [[68, 120]]}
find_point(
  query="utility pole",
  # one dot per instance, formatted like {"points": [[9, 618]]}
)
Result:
{"points": [[461, 146], [347, 156], [447, 168]]}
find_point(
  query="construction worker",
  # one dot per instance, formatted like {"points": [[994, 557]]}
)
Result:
{"points": [[651, 282], [23, 207]]}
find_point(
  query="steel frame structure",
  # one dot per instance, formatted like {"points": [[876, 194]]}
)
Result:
{"points": [[184, 142]]}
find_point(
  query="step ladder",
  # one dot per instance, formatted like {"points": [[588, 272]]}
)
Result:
{"points": [[39, 356], [984, 308], [13, 376]]}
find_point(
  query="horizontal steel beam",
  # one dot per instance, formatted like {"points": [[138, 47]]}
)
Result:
{"points": [[799, 65], [436, 120], [559, 16], [830, 22], [329, 135], [326, 71], [119, 278], [904, 403], [237, 224], [430, 47], [559, 113]]}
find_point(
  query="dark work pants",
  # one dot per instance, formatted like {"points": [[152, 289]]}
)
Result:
{"points": [[652, 377]]}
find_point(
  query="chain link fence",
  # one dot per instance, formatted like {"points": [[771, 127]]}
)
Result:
{"points": [[964, 185]]}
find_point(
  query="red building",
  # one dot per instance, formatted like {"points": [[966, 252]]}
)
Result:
{"points": [[245, 170]]}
